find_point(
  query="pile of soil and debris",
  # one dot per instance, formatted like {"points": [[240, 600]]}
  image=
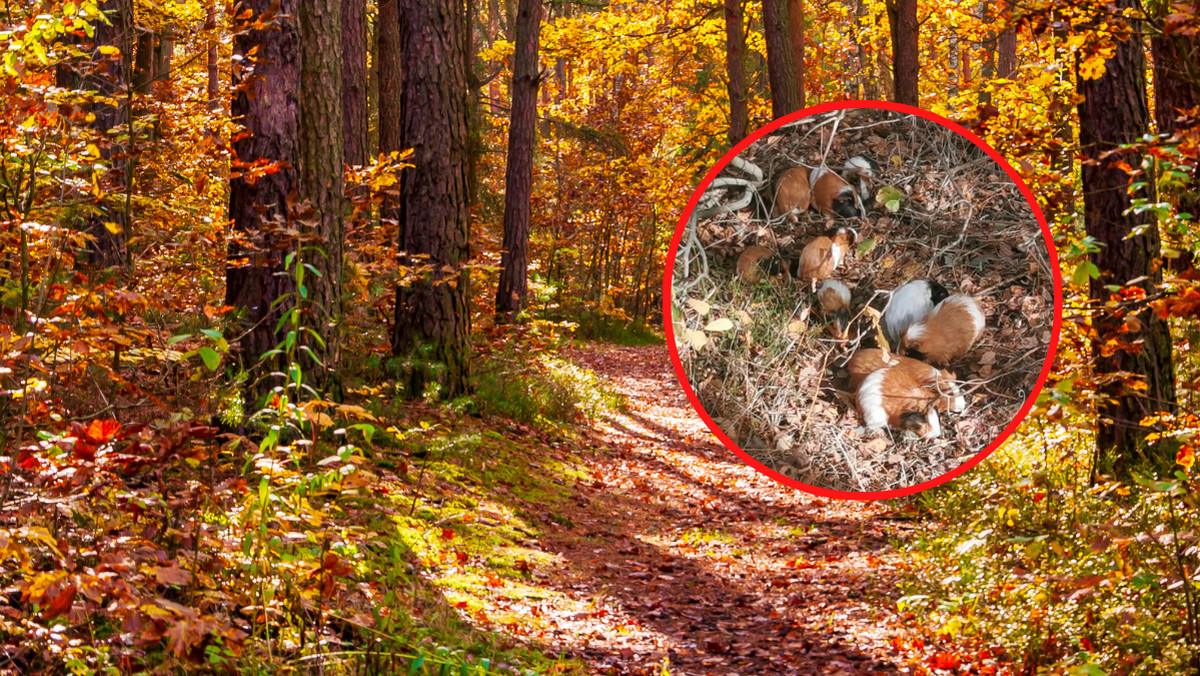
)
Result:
{"points": [[758, 354]]}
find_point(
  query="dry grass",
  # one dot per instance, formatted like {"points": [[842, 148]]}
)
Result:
{"points": [[772, 381]]}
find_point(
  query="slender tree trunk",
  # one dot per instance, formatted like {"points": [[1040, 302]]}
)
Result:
{"points": [[322, 167], [902, 19], [214, 86], [1114, 112], [518, 177], [796, 32], [354, 80], [431, 309], [781, 66], [266, 79], [735, 67], [391, 88]]}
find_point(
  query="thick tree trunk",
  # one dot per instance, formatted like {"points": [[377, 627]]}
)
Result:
{"points": [[1006, 45], [109, 76], [1176, 91], [391, 87], [796, 33], [518, 176], [354, 80], [322, 167], [431, 328], [264, 102], [735, 67], [781, 65], [902, 19], [1114, 112]]}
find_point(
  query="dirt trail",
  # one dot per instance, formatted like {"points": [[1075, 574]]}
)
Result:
{"points": [[694, 556]]}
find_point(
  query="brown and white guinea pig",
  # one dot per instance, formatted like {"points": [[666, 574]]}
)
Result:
{"points": [[907, 395], [824, 254], [793, 194], [908, 305], [758, 261], [866, 362], [835, 301], [843, 194], [946, 333]]}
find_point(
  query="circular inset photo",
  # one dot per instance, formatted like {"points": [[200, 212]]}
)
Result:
{"points": [[864, 300]]}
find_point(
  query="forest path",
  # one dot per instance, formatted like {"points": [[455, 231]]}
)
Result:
{"points": [[694, 556]]}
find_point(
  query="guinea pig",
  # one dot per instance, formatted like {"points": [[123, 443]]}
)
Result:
{"points": [[835, 301], [757, 260], [946, 333], [835, 194], [909, 304], [866, 362], [824, 254], [793, 195], [897, 395]]}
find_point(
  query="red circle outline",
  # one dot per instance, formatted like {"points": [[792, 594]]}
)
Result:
{"points": [[670, 270]]}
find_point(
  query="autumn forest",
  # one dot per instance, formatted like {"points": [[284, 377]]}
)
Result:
{"points": [[334, 338]]}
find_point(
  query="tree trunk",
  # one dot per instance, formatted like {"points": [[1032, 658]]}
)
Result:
{"points": [[902, 19], [1112, 113], [110, 77], [391, 87], [518, 176], [1006, 45], [264, 102], [322, 167], [1176, 91], [796, 32], [354, 80], [431, 306], [735, 67], [781, 66], [214, 86]]}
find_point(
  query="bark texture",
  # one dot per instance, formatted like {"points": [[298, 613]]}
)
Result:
{"points": [[354, 80], [265, 104], [391, 86], [213, 71], [796, 33], [1114, 112], [781, 66], [431, 328], [735, 68], [902, 19], [518, 174], [109, 75], [322, 167]]}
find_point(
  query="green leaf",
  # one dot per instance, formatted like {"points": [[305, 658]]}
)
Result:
{"points": [[212, 359], [416, 664], [176, 339], [1085, 271], [212, 333]]}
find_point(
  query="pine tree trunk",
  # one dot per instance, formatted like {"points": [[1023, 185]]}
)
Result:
{"points": [[264, 102], [735, 67], [354, 80], [518, 176], [1114, 112], [902, 19], [322, 167], [781, 65], [431, 328], [796, 32], [391, 86]]}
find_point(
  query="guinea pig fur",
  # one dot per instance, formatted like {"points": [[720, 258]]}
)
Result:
{"points": [[757, 261], [831, 194], [909, 304], [835, 301], [866, 362], [888, 395], [824, 254], [946, 333], [793, 195], [861, 170]]}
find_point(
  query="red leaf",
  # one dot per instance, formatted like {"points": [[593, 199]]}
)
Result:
{"points": [[447, 534], [102, 431]]}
